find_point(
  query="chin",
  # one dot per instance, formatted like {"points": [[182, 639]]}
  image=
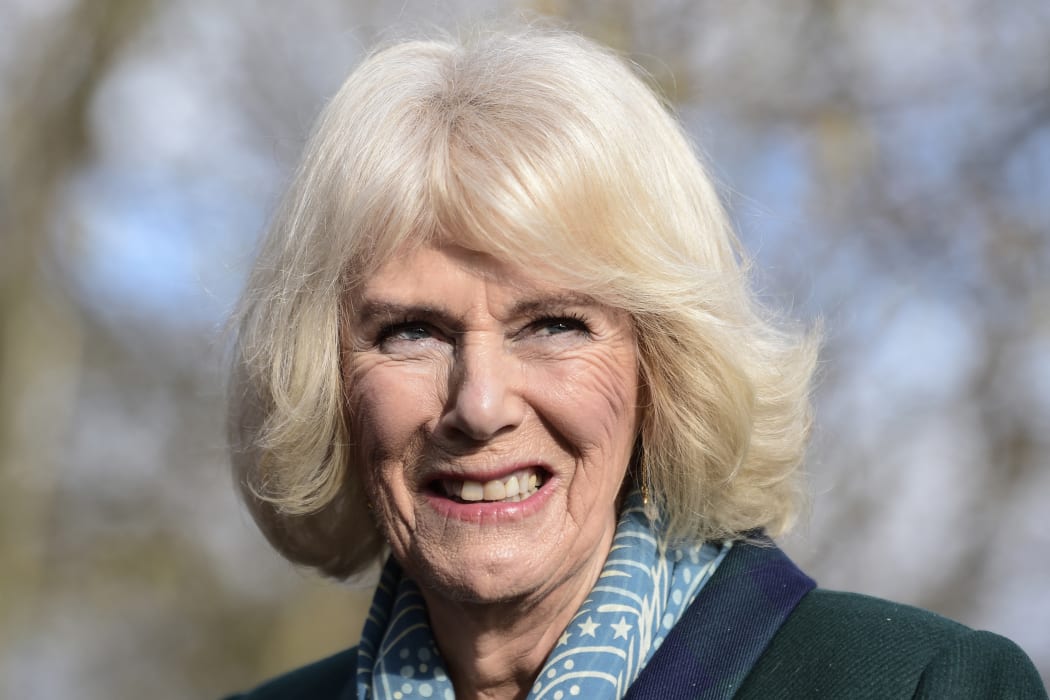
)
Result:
{"points": [[503, 576]]}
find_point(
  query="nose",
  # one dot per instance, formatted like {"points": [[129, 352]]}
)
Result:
{"points": [[485, 394]]}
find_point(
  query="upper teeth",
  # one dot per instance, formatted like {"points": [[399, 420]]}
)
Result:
{"points": [[515, 487]]}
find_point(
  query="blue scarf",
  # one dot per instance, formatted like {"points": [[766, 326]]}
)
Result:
{"points": [[640, 594]]}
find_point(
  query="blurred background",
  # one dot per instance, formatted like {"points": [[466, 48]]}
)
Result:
{"points": [[888, 164]]}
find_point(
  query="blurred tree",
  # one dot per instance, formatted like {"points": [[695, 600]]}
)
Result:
{"points": [[45, 137]]}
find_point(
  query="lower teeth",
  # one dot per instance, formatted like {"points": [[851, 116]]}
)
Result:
{"points": [[509, 499]]}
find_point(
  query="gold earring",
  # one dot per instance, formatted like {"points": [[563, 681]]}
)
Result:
{"points": [[643, 479]]}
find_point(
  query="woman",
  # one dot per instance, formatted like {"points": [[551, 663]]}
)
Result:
{"points": [[500, 337]]}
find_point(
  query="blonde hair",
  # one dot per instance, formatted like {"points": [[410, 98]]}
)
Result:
{"points": [[543, 149]]}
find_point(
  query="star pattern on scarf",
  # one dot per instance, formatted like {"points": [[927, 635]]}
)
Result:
{"points": [[588, 627], [622, 628]]}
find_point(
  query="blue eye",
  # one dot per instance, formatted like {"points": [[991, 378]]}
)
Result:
{"points": [[405, 332], [560, 325]]}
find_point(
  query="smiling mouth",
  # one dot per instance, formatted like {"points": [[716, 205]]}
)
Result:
{"points": [[517, 486]]}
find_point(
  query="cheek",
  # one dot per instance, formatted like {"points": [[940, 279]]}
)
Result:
{"points": [[389, 406], [389, 409], [596, 399]]}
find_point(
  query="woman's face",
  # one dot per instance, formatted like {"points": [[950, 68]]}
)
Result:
{"points": [[494, 416]]}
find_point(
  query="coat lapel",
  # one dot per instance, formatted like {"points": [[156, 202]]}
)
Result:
{"points": [[722, 634]]}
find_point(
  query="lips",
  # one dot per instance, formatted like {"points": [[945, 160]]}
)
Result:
{"points": [[486, 495]]}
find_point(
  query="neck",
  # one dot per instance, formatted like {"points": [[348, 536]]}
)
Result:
{"points": [[496, 650]]}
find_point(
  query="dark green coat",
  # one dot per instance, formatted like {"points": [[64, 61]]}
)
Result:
{"points": [[843, 645], [759, 629]]}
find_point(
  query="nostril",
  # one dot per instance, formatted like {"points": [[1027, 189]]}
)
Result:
{"points": [[482, 415]]}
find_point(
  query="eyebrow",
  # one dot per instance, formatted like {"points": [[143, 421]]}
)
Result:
{"points": [[544, 303], [383, 309]]}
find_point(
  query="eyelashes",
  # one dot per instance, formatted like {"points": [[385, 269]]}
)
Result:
{"points": [[409, 331], [560, 324]]}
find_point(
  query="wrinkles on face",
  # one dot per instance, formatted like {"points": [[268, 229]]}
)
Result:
{"points": [[461, 365]]}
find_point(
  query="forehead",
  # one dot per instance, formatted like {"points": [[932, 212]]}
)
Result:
{"points": [[431, 272]]}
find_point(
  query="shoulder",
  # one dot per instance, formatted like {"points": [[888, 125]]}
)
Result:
{"points": [[849, 645], [861, 617], [327, 678]]}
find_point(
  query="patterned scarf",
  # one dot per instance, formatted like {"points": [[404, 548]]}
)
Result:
{"points": [[641, 593]]}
